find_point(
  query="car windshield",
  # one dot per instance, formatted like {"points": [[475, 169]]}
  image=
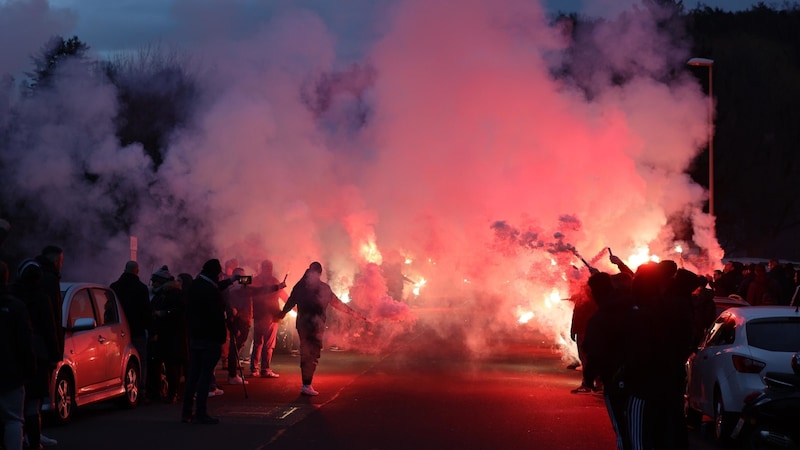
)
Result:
{"points": [[776, 334]]}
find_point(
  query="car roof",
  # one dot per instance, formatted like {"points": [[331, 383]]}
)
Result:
{"points": [[731, 301], [761, 312], [70, 285]]}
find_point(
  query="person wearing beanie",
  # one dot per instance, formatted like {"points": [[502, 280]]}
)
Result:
{"points": [[312, 297], [170, 345], [205, 313], [134, 297]]}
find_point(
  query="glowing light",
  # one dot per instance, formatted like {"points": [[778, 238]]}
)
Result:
{"points": [[526, 317], [553, 298], [553, 262], [678, 249], [641, 256], [408, 261], [418, 286], [370, 252], [466, 280], [345, 298]]}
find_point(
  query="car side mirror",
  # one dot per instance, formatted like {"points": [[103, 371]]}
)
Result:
{"points": [[83, 324]]}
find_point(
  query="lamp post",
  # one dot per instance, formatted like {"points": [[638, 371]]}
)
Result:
{"points": [[709, 63]]}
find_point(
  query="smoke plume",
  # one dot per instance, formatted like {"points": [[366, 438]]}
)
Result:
{"points": [[458, 159]]}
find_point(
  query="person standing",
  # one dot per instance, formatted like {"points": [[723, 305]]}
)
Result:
{"points": [[51, 260], [239, 313], [312, 297], [28, 288], [19, 362], [266, 309], [134, 296], [169, 328], [207, 333], [583, 310], [605, 343]]}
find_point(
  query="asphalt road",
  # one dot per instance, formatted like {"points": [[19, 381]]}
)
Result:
{"points": [[422, 394]]}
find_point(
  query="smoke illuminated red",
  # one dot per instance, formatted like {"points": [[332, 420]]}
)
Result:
{"points": [[470, 181]]}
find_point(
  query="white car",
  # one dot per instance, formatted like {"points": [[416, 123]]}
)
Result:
{"points": [[743, 344], [99, 362]]}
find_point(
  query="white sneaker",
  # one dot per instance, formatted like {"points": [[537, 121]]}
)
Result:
{"points": [[269, 374], [46, 441], [308, 390], [216, 392], [237, 380]]}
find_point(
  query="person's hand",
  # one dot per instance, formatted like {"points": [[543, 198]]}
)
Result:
{"points": [[281, 285], [615, 260]]}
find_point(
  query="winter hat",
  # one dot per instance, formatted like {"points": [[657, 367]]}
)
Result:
{"points": [[162, 274], [212, 267], [315, 267]]}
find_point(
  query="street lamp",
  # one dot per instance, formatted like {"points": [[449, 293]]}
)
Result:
{"points": [[709, 63]]}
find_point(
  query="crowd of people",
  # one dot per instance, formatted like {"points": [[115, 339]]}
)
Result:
{"points": [[634, 343], [185, 324], [634, 331], [190, 324], [772, 283]]}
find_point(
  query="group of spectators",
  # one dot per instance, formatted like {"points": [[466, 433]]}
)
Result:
{"points": [[772, 283], [187, 323], [635, 330], [190, 324], [634, 344]]}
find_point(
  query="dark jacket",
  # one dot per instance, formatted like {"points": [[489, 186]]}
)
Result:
{"points": [[605, 343], [16, 343], [135, 300], [51, 285], [312, 304], [205, 310], [43, 319], [169, 324], [45, 332]]}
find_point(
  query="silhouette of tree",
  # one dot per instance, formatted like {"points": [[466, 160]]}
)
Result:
{"points": [[51, 55]]}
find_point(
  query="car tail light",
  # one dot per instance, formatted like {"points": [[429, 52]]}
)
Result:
{"points": [[747, 365]]}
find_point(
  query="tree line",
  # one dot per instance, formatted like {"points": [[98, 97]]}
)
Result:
{"points": [[757, 107]]}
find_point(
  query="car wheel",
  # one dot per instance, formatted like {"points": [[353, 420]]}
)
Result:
{"points": [[64, 398], [723, 420], [131, 384]]}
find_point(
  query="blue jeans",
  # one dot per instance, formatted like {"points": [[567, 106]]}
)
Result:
{"points": [[203, 357], [11, 406]]}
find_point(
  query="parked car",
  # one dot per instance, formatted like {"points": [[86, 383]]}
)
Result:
{"points": [[100, 362], [743, 344], [732, 301]]}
